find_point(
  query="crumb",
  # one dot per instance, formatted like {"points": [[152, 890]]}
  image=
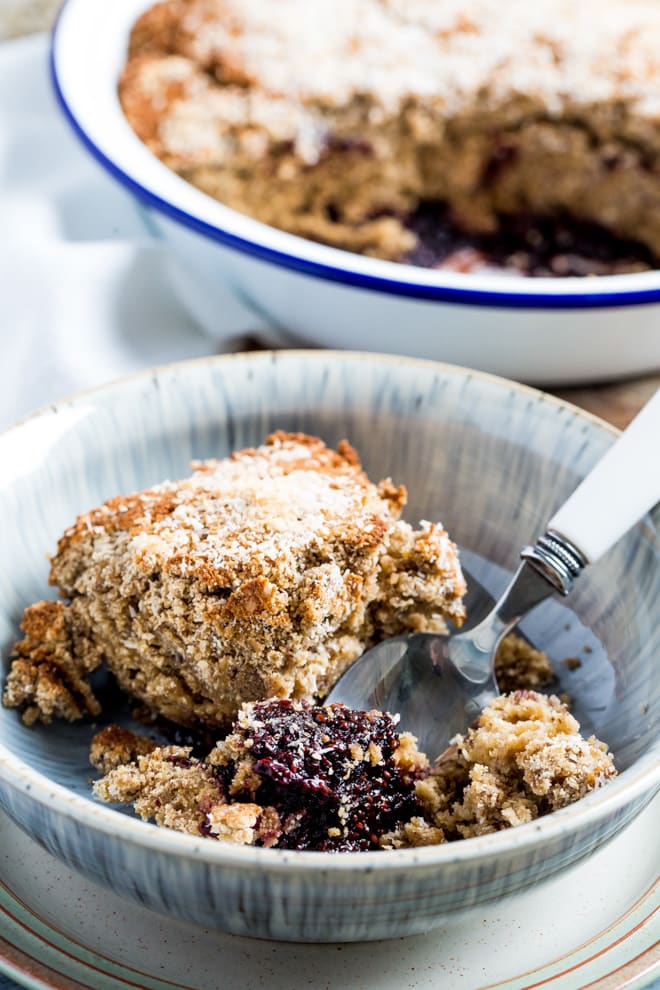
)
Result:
{"points": [[114, 745], [416, 832], [243, 823], [519, 665]]}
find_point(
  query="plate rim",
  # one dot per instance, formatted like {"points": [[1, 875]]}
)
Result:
{"points": [[638, 971]]}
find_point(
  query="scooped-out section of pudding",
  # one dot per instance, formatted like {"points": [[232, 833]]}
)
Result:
{"points": [[446, 135]]}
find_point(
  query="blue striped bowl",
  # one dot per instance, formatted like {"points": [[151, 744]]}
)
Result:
{"points": [[492, 460]]}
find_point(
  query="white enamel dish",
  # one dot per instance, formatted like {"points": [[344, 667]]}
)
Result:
{"points": [[492, 460], [537, 330]]}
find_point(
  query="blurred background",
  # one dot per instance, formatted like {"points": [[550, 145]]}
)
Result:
{"points": [[18, 17], [617, 402]]}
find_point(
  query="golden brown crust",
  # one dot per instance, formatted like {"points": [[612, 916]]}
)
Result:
{"points": [[262, 575], [49, 667]]}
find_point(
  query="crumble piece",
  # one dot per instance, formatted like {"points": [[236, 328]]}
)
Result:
{"points": [[243, 823], [524, 758], [265, 574], [519, 665], [49, 667], [342, 119], [167, 785], [114, 745], [416, 832]]}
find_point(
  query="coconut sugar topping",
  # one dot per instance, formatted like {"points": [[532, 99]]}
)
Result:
{"points": [[330, 51], [264, 574]]}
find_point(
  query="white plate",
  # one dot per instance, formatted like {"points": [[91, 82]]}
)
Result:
{"points": [[593, 927]]}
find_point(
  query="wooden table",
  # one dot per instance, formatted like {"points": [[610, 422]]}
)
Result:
{"points": [[618, 402]]}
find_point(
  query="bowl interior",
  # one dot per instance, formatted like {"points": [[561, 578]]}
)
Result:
{"points": [[491, 459]]}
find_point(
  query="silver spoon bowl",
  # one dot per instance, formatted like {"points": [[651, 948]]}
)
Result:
{"points": [[439, 684]]}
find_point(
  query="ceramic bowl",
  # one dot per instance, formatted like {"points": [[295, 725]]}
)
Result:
{"points": [[536, 330], [492, 460]]}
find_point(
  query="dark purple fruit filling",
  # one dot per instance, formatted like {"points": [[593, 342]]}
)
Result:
{"points": [[530, 245], [330, 773]]}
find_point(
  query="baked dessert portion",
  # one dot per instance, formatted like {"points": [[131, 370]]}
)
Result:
{"points": [[262, 575], [332, 779], [351, 121]]}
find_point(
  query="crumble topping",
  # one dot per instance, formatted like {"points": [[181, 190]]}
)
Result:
{"points": [[263, 574], [323, 54], [338, 119]]}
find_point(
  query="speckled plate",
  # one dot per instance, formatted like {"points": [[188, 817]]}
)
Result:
{"points": [[595, 927]]}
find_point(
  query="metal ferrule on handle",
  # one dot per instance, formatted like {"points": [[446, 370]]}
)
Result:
{"points": [[557, 559]]}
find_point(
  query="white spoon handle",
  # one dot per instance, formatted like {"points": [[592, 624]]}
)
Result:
{"points": [[622, 487]]}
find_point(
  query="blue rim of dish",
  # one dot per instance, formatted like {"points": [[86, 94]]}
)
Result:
{"points": [[334, 273]]}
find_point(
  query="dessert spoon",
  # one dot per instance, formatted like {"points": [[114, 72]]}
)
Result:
{"points": [[439, 684]]}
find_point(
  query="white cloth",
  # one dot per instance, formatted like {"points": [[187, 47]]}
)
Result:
{"points": [[85, 295]]}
